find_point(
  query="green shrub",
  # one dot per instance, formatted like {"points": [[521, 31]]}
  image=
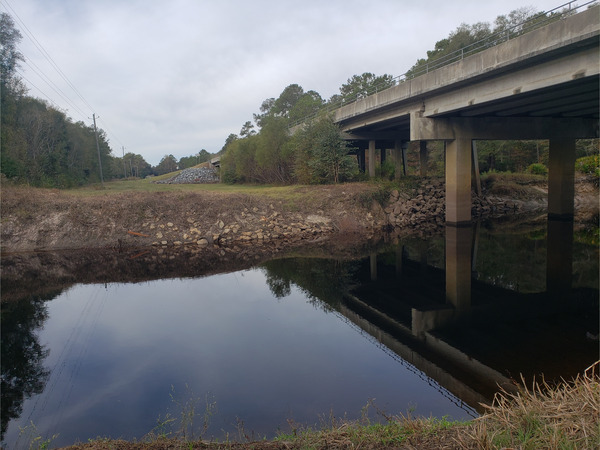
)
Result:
{"points": [[537, 169], [386, 170], [588, 164]]}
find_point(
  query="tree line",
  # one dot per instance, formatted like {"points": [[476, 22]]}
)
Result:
{"points": [[41, 146], [265, 152]]}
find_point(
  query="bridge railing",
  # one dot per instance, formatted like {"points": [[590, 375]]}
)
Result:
{"points": [[532, 23]]}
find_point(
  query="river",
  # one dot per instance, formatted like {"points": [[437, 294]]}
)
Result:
{"points": [[415, 326]]}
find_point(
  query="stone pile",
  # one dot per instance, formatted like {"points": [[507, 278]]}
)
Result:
{"points": [[249, 226], [428, 204], [194, 175]]}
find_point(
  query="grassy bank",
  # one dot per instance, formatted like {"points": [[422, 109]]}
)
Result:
{"points": [[565, 416]]}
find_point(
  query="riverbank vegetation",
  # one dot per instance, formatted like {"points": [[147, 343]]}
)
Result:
{"points": [[537, 416]]}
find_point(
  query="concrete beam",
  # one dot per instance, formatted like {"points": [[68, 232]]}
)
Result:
{"points": [[500, 128], [376, 135], [514, 67], [516, 83]]}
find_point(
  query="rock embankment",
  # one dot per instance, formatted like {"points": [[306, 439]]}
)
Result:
{"points": [[53, 220], [38, 219], [427, 205], [248, 226], [193, 175]]}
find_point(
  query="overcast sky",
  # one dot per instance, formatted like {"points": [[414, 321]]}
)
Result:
{"points": [[178, 76]]}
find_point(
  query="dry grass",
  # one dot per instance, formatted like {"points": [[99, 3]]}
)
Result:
{"points": [[560, 417]]}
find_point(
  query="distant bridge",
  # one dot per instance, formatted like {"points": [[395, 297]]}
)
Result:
{"points": [[541, 85]]}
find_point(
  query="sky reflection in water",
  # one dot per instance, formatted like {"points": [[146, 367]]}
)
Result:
{"points": [[124, 355], [301, 338]]}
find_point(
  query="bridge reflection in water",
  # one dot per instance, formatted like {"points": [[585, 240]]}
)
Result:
{"points": [[469, 336]]}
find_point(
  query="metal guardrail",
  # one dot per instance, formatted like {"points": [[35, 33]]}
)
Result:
{"points": [[534, 22]]}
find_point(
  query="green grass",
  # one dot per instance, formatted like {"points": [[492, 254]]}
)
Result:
{"points": [[342, 434], [148, 185]]}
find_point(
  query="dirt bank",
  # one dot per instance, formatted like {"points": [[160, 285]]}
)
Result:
{"points": [[34, 219], [41, 220]]}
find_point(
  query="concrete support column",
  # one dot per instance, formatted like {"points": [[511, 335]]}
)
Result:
{"points": [[559, 258], [360, 156], [458, 181], [399, 260], [561, 178], [423, 157], [371, 158], [458, 266], [398, 160], [373, 266], [476, 177]]}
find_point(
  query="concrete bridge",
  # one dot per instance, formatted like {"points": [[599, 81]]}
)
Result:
{"points": [[540, 85]]}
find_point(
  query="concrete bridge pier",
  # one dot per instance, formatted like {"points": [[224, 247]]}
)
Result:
{"points": [[360, 157], [371, 157], [458, 266], [559, 257], [423, 158], [458, 181], [400, 158], [561, 178], [373, 266]]}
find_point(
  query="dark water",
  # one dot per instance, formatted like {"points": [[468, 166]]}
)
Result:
{"points": [[413, 326]]}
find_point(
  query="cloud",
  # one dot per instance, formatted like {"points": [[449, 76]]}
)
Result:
{"points": [[173, 77]]}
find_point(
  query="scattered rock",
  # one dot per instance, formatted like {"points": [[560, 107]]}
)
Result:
{"points": [[194, 175]]}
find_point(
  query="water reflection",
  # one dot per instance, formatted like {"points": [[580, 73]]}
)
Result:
{"points": [[23, 374], [437, 323]]}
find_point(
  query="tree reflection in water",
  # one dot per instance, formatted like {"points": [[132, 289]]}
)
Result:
{"points": [[23, 373]]}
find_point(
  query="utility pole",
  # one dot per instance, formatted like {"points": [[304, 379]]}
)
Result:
{"points": [[98, 148], [124, 164]]}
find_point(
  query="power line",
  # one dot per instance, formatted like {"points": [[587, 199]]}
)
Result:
{"points": [[53, 86], [41, 92], [110, 131], [40, 73], [46, 55]]}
